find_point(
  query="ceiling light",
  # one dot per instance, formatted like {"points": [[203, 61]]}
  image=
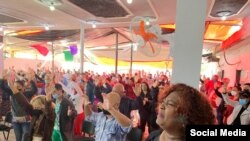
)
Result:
{"points": [[46, 27], [52, 8], [135, 46], [223, 13], [149, 19], [129, 1], [93, 25], [223, 18]]}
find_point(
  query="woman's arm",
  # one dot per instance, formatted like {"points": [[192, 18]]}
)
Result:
{"points": [[229, 101]]}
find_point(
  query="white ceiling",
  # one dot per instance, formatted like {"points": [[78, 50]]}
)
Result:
{"points": [[69, 16]]}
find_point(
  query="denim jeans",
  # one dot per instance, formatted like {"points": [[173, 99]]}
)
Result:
{"points": [[21, 130]]}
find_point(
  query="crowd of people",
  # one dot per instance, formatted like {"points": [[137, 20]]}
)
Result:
{"points": [[52, 106]]}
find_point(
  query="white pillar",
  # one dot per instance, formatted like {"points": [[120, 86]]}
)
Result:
{"points": [[82, 48], [116, 55], [53, 57], [1, 56], [131, 60], [187, 50]]}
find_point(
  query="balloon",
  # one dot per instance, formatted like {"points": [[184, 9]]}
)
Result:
{"points": [[73, 49]]}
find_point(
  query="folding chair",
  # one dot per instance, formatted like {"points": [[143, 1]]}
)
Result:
{"points": [[89, 129], [7, 125]]}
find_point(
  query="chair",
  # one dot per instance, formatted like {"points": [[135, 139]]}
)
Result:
{"points": [[88, 128], [134, 135], [7, 125]]}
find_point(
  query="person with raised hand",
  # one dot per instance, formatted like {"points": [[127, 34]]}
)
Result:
{"points": [[65, 113], [240, 114], [5, 94], [21, 118], [110, 124]]}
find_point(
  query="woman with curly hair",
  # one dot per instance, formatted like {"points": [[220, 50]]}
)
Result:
{"points": [[181, 105]]}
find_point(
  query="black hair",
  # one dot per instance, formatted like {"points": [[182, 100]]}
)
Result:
{"points": [[58, 86], [245, 93], [238, 88], [248, 84], [132, 79]]}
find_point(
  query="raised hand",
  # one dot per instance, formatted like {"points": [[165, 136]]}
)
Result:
{"points": [[49, 91], [137, 89], [156, 83], [106, 103], [85, 100], [97, 81], [70, 111], [12, 85], [99, 105]]}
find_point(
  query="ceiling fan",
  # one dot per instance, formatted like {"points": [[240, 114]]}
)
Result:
{"points": [[146, 36]]}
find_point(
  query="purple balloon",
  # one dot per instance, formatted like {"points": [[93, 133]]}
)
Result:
{"points": [[73, 49]]}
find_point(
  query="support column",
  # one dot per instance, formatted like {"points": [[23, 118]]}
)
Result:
{"points": [[82, 48], [116, 55], [187, 51], [53, 57], [131, 60], [1, 55]]}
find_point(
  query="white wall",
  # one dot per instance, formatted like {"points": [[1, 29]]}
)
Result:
{"points": [[24, 64], [240, 53]]}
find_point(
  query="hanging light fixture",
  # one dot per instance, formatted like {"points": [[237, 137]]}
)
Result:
{"points": [[52, 7], [224, 14]]}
